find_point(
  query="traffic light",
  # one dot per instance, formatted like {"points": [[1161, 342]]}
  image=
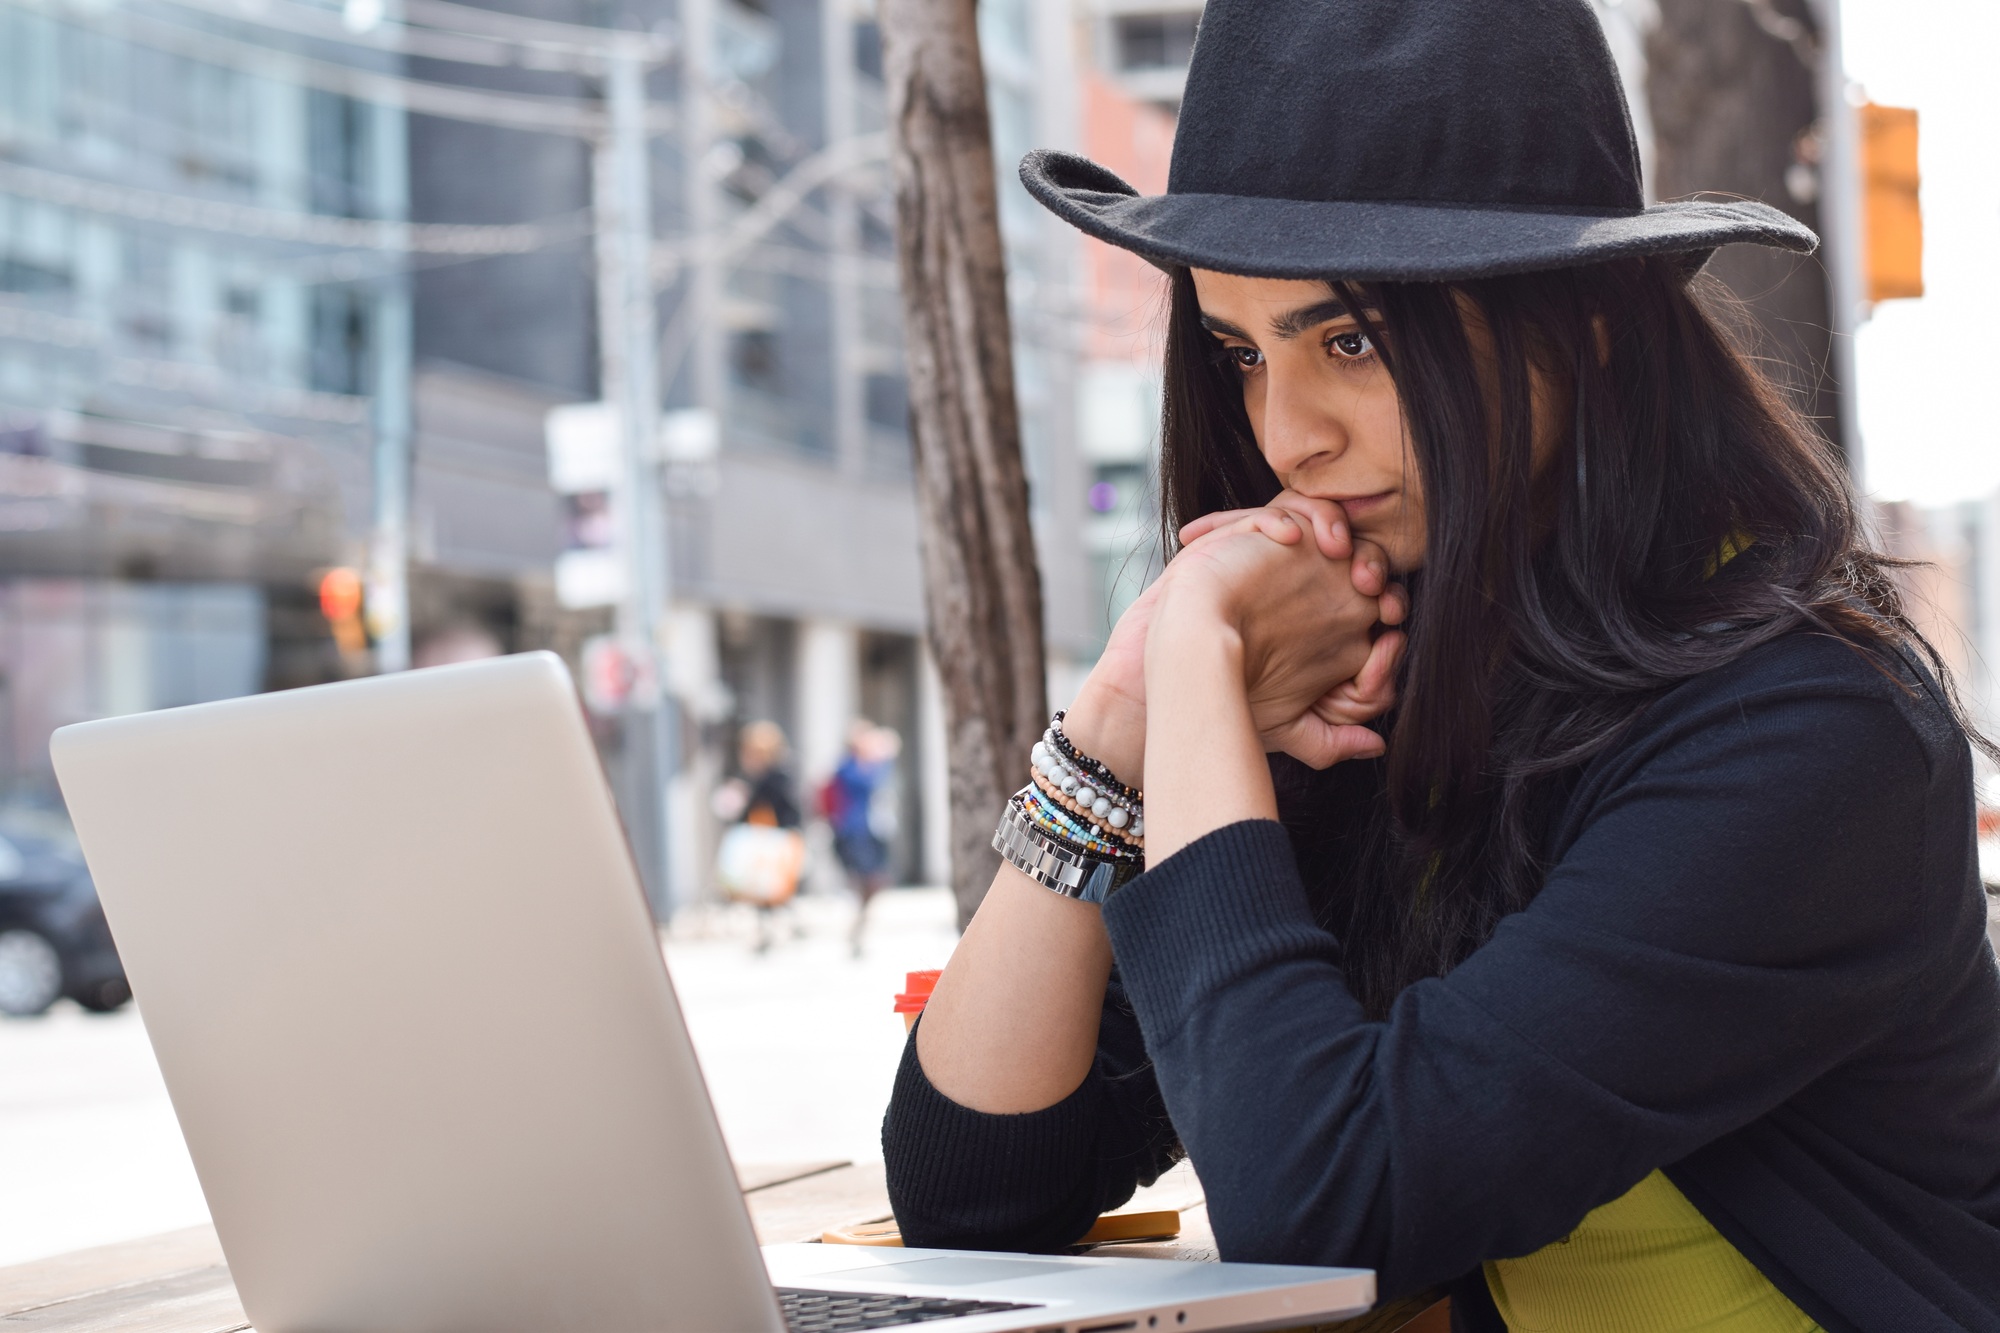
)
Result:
{"points": [[340, 603], [1892, 212]]}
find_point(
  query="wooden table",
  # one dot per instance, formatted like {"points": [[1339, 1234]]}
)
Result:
{"points": [[178, 1282]]}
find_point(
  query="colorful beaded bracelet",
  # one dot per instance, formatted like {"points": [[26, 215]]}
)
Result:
{"points": [[1057, 823], [1047, 786]]}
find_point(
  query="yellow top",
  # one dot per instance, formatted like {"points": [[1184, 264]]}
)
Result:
{"points": [[1647, 1262]]}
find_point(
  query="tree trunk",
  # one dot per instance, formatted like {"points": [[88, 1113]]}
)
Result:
{"points": [[1734, 94], [982, 586]]}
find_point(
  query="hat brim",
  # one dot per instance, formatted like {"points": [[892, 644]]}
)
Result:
{"points": [[1366, 241]]}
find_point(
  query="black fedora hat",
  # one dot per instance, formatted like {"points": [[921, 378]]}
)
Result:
{"points": [[1399, 140]]}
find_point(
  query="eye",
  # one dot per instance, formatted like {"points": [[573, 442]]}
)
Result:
{"points": [[1350, 346], [1243, 358]]}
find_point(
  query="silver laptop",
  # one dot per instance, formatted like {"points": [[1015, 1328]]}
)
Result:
{"points": [[397, 969]]}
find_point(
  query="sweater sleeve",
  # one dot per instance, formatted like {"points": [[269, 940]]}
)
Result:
{"points": [[1731, 918], [964, 1179]]}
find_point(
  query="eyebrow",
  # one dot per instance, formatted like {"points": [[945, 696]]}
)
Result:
{"points": [[1288, 325]]}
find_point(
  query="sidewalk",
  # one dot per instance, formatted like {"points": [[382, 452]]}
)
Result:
{"points": [[799, 1046]]}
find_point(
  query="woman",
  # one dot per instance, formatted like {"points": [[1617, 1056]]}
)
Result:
{"points": [[760, 864], [1616, 955]]}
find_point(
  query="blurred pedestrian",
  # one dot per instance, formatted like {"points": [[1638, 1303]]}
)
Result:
{"points": [[763, 851], [858, 803]]}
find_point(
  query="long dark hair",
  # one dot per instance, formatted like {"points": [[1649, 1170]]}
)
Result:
{"points": [[1550, 610]]}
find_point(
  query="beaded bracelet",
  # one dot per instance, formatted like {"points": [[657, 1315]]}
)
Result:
{"points": [[1076, 792], [1093, 787], [1102, 825], [1056, 822], [1106, 780]]}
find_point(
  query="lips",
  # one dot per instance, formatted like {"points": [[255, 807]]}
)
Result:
{"points": [[1359, 506]]}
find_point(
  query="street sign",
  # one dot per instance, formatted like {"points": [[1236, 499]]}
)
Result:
{"points": [[690, 435], [583, 448], [589, 577]]}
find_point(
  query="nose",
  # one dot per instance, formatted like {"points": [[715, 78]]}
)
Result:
{"points": [[1301, 423]]}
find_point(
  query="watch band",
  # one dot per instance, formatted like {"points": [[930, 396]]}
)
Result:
{"points": [[1070, 871]]}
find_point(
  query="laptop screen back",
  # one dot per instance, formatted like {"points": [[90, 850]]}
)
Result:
{"points": [[406, 996]]}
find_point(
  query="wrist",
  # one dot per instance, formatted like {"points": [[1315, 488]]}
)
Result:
{"points": [[1207, 759], [1194, 632], [1109, 725]]}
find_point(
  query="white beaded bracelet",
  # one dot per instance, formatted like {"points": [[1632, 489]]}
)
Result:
{"points": [[1127, 817]]}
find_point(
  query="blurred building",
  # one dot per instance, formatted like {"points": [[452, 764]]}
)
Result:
{"points": [[1953, 590], [797, 584], [191, 240], [240, 248], [1143, 46], [1124, 302]]}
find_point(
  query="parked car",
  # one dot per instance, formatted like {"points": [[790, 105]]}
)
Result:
{"points": [[53, 938]]}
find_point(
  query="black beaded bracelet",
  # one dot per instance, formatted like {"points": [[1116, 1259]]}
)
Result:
{"points": [[1105, 779]]}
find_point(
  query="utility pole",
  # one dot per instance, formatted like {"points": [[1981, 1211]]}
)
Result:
{"points": [[982, 583], [628, 352], [702, 301], [387, 599], [1841, 224], [388, 580], [850, 435]]}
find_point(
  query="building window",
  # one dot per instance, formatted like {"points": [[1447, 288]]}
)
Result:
{"points": [[22, 275], [868, 48], [338, 144], [886, 402], [753, 359], [1156, 41], [339, 352]]}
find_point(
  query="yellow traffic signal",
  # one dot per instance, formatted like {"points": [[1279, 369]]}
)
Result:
{"points": [[1893, 214]]}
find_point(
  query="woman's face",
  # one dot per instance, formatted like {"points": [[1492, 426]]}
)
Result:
{"points": [[1324, 408]]}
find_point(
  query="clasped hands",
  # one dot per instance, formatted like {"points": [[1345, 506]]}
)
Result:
{"points": [[1310, 607]]}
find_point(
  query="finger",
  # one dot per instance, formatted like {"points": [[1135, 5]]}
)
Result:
{"points": [[1393, 608], [1376, 681], [1320, 745], [1372, 690], [1276, 524], [1207, 523], [1327, 519], [1354, 742], [1370, 570]]}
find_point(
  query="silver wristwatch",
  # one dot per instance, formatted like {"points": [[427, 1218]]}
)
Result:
{"points": [[1066, 870]]}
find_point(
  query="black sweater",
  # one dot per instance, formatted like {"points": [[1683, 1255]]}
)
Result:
{"points": [[1760, 962]]}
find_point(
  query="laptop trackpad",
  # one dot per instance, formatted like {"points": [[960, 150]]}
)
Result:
{"points": [[967, 1272]]}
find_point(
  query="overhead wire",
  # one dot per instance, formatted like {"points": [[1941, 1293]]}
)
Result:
{"points": [[537, 113], [446, 31], [391, 35], [547, 47], [520, 28], [248, 220], [27, 324]]}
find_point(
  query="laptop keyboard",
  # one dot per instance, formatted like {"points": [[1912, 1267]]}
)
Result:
{"points": [[839, 1311]]}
